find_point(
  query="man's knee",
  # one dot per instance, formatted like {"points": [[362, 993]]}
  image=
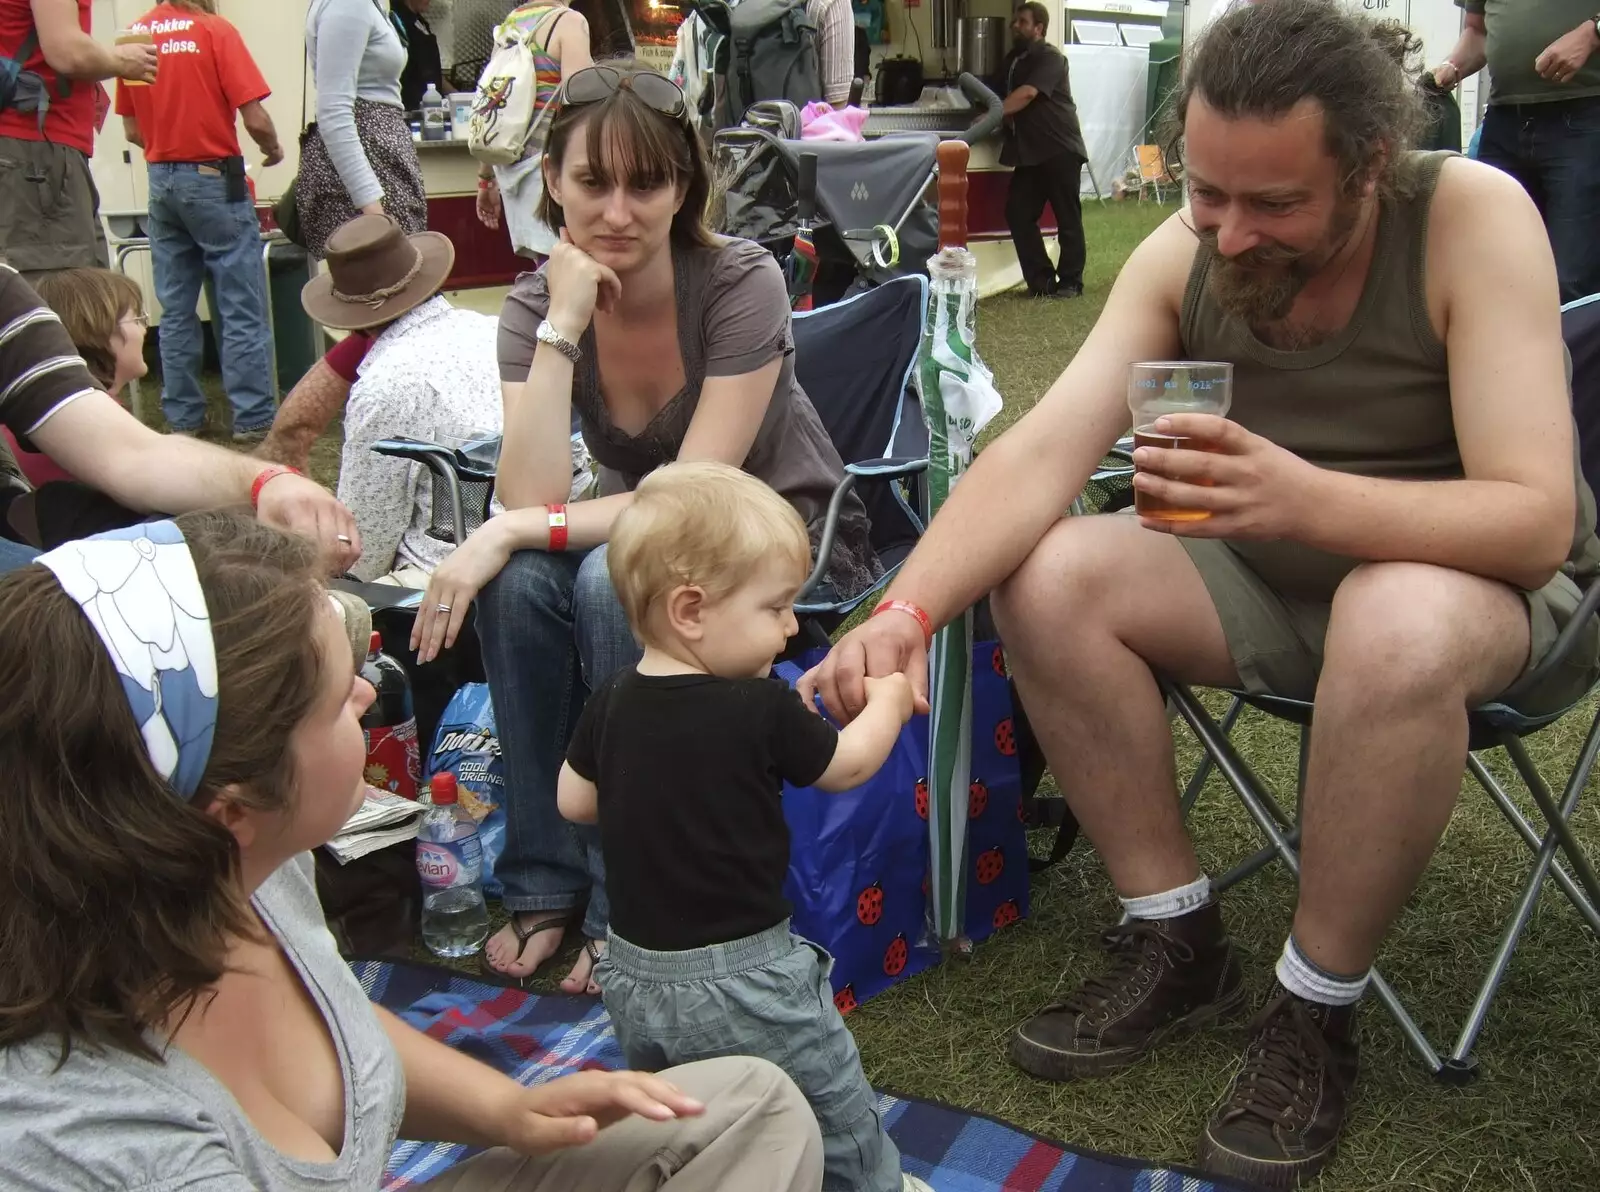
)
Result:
{"points": [[1065, 580], [1417, 631]]}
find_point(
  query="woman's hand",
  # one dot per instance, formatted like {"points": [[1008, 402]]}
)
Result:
{"points": [[579, 285], [455, 584], [572, 1110], [489, 203]]}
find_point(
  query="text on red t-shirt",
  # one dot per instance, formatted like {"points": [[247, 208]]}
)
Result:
{"points": [[206, 75]]}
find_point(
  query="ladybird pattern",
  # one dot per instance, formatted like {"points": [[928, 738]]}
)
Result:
{"points": [[977, 798], [922, 798], [869, 905], [998, 661], [1005, 738], [845, 1000], [895, 958], [989, 866], [1007, 913]]}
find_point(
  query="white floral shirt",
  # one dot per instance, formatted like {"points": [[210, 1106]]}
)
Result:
{"points": [[435, 369]]}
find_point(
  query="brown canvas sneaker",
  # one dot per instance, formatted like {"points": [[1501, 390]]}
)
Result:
{"points": [[1280, 1122], [1166, 977]]}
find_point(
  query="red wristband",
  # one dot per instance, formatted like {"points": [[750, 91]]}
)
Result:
{"points": [[558, 527], [905, 606], [267, 475]]}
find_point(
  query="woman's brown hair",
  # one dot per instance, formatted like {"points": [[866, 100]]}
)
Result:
{"points": [[91, 304], [122, 898], [649, 149]]}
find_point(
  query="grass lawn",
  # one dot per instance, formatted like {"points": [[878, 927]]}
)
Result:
{"points": [[1529, 1122]]}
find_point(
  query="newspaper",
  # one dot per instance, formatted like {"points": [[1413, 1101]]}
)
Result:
{"points": [[381, 820]]}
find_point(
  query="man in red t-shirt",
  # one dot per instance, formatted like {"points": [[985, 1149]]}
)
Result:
{"points": [[49, 207], [202, 220]]}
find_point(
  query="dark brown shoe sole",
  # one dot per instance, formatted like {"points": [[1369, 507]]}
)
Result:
{"points": [[1047, 1063], [1270, 1175]]}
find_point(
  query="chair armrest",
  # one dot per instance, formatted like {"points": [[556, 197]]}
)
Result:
{"points": [[1562, 647], [888, 468], [442, 462]]}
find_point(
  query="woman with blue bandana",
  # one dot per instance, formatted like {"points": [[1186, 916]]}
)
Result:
{"points": [[172, 1009]]}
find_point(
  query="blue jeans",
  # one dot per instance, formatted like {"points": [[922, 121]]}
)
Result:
{"points": [[1553, 150], [14, 555], [552, 630], [196, 232]]}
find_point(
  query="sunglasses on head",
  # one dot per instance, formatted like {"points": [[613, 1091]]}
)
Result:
{"points": [[593, 84]]}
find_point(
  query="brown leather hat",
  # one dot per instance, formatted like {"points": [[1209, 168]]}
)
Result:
{"points": [[376, 273]]}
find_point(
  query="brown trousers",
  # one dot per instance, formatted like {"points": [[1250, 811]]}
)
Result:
{"points": [[757, 1132]]}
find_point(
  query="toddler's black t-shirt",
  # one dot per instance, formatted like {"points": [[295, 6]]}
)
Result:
{"points": [[690, 771]]}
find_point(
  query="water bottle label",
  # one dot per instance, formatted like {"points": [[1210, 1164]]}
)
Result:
{"points": [[443, 864], [394, 759]]}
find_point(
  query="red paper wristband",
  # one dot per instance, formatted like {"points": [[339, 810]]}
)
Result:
{"points": [[905, 606], [558, 527], [265, 477]]}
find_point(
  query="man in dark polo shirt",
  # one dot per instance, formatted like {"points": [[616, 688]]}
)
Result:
{"points": [[1044, 146], [1543, 122]]}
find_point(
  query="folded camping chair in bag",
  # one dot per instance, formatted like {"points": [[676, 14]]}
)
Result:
{"points": [[1495, 726], [856, 361]]}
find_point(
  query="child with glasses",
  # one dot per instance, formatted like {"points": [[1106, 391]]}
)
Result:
{"points": [[681, 760]]}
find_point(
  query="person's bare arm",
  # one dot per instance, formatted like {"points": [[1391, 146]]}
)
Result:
{"points": [[571, 43], [866, 742], [1512, 517], [1468, 56], [311, 405], [577, 798], [1019, 98], [109, 449], [262, 131], [1021, 484], [73, 53], [130, 131]]}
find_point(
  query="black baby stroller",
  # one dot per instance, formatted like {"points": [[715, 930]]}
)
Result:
{"points": [[875, 213]]}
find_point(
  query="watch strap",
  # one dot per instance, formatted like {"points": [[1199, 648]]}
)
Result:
{"points": [[548, 334]]}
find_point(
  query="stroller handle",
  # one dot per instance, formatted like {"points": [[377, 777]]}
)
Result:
{"points": [[993, 109]]}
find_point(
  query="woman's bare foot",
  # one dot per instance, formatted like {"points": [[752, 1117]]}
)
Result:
{"points": [[581, 978], [528, 939]]}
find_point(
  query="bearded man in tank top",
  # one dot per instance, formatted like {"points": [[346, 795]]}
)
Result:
{"points": [[1395, 525]]}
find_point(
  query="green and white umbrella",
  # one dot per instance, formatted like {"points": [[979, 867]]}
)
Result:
{"points": [[958, 401]]}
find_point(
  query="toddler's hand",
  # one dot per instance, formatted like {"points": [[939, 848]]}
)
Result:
{"points": [[893, 690]]}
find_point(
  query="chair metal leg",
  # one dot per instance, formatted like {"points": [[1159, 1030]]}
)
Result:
{"points": [[1247, 787], [1557, 816], [1255, 863], [1557, 836], [1191, 792], [1531, 838]]}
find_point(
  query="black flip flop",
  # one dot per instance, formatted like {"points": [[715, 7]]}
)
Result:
{"points": [[524, 934]]}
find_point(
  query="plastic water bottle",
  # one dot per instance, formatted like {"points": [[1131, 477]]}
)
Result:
{"points": [[394, 756], [435, 120], [455, 921]]}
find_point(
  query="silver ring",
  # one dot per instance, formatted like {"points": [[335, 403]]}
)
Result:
{"points": [[344, 538], [444, 608]]}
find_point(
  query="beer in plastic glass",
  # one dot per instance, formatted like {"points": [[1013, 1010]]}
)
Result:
{"points": [[1162, 387]]}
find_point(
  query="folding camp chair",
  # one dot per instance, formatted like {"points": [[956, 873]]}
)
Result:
{"points": [[1495, 726], [1153, 173], [855, 360]]}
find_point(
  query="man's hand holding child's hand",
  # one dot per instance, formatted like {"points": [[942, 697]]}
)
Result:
{"points": [[894, 691]]}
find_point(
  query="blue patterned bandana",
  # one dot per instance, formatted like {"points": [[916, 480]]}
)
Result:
{"points": [[140, 591]]}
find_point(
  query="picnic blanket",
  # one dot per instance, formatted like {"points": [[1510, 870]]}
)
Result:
{"points": [[538, 1037]]}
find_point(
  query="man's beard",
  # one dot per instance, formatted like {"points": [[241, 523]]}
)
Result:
{"points": [[1260, 285]]}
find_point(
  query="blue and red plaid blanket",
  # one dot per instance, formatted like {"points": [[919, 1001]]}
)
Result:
{"points": [[536, 1038]]}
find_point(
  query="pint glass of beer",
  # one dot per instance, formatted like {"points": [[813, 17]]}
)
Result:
{"points": [[1165, 387], [135, 37]]}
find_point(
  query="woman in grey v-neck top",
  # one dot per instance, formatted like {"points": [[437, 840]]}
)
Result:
{"points": [[97, 1091]]}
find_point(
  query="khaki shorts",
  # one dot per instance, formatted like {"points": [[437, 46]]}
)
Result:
{"points": [[49, 208], [1276, 641]]}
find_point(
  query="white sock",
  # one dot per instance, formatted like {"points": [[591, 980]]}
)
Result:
{"points": [[1171, 903], [1310, 983]]}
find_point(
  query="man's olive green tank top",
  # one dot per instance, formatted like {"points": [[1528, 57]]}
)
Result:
{"points": [[1371, 400]]}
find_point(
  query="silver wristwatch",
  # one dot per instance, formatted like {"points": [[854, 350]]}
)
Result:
{"points": [[547, 334]]}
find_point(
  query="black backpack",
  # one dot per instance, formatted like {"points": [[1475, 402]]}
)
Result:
{"points": [[760, 49]]}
